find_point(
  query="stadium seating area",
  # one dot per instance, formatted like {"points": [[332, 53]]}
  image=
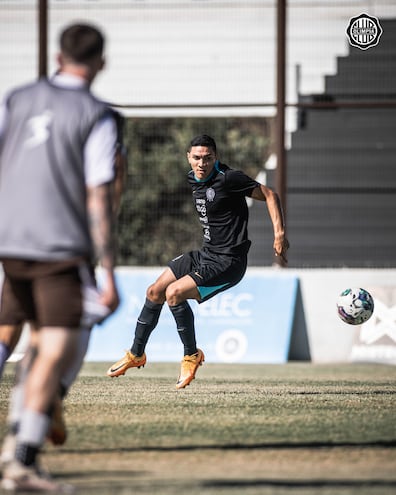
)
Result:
{"points": [[341, 175]]}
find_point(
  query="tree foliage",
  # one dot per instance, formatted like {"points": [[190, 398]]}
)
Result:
{"points": [[157, 221]]}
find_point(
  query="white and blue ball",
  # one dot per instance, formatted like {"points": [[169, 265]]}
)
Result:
{"points": [[355, 306]]}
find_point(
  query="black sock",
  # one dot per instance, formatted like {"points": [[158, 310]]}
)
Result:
{"points": [[14, 428], [146, 323], [185, 326], [26, 454]]}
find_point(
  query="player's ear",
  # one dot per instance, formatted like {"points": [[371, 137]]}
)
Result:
{"points": [[59, 59]]}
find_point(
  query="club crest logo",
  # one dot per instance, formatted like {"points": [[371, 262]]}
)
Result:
{"points": [[210, 194], [364, 31]]}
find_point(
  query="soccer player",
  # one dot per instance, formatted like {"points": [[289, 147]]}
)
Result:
{"points": [[219, 194], [10, 334], [57, 169]]}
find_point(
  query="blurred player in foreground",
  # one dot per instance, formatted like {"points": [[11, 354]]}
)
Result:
{"points": [[219, 194], [56, 176], [10, 334]]}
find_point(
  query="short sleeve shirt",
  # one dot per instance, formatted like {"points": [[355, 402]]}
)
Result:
{"points": [[220, 201]]}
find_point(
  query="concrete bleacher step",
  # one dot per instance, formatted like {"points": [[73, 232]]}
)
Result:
{"points": [[300, 157], [378, 118], [342, 209], [355, 176], [347, 141], [375, 83], [327, 129], [362, 64], [383, 48]]}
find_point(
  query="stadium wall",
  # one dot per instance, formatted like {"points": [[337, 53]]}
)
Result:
{"points": [[272, 316]]}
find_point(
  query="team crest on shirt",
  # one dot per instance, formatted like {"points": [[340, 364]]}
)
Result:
{"points": [[210, 194]]}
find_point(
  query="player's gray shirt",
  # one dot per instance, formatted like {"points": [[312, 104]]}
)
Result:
{"points": [[42, 183]]}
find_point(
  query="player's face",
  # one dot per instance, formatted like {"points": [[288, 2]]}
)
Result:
{"points": [[202, 161]]}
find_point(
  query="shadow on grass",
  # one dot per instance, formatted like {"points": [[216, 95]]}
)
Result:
{"points": [[269, 446], [340, 392], [121, 479], [321, 483]]}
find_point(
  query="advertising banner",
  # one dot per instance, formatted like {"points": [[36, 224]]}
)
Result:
{"points": [[249, 323]]}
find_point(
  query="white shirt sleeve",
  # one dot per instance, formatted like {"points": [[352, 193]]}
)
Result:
{"points": [[99, 152], [3, 119]]}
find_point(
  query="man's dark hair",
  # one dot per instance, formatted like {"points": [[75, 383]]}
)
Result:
{"points": [[82, 42], [203, 140]]}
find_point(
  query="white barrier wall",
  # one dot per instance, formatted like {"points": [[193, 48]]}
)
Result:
{"points": [[332, 340], [272, 316]]}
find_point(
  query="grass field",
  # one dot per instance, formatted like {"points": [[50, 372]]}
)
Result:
{"points": [[238, 429]]}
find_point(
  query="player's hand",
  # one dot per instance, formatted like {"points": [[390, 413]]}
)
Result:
{"points": [[110, 298], [281, 245], [109, 293]]}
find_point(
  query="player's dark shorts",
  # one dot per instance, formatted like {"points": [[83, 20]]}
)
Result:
{"points": [[212, 272], [50, 294]]}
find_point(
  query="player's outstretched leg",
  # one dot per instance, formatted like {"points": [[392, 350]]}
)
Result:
{"points": [[128, 361], [189, 366]]}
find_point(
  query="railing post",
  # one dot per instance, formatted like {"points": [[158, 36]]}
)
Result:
{"points": [[280, 178], [43, 38]]}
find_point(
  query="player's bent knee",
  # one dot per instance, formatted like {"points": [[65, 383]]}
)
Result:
{"points": [[174, 295], [155, 295]]}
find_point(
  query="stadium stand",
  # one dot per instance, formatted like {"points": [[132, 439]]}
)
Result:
{"points": [[341, 176]]}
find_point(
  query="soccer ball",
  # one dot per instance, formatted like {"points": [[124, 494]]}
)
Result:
{"points": [[355, 306]]}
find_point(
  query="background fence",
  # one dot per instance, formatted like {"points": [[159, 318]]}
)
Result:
{"points": [[176, 69]]}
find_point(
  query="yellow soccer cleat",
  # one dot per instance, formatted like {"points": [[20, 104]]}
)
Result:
{"points": [[189, 366], [128, 361]]}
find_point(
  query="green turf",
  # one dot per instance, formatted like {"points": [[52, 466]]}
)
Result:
{"points": [[253, 429]]}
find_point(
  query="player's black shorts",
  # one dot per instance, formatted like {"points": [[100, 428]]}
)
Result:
{"points": [[212, 272]]}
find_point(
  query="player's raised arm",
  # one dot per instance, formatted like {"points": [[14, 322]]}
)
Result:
{"points": [[281, 244]]}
